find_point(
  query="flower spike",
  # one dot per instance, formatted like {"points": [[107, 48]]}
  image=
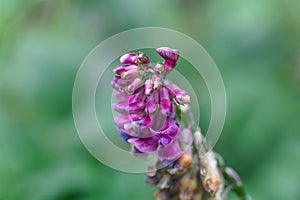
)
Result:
{"points": [[155, 118]]}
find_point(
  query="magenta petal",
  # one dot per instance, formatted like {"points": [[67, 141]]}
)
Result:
{"points": [[129, 58], [121, 96], [141, 120], [135, 150], [175, 89], [146, 145], [165, 102], [158, 121], [151, 107], [136, 106], [168, 53], [170, 152], [130, 74], [135, 85], [137, 96], [152, 102], [147, 121], [121, 81], [121, 107], [165, 140], [121, 120], [157, 81], [120, 69], [179, 94], [149, 87], [172, 131], [169, 64]]}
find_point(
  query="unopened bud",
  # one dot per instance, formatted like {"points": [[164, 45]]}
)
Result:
{"points": [[129, 58], [160, 67], [149, 87], [143, 58], [134, 85]]}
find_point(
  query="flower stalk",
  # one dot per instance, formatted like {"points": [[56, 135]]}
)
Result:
{"points": [[155, 117]]}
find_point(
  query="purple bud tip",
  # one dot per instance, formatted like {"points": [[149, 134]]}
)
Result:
{"points": [[168, 53], [170, 152], [129, 58]]}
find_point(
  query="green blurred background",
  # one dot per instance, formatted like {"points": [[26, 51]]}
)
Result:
{"points": [[256, 45]]}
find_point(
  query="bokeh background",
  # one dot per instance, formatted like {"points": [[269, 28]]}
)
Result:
{"points": [[256, 45]]}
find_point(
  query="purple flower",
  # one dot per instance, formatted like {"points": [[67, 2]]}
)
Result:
{"points": [[170, 152], [145, 145]]}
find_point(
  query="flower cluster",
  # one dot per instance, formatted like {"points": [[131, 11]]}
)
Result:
{"points": [[150, 108], [149, 104]]}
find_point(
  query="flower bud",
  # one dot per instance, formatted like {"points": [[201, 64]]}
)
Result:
{"points": [[168, 53], [159, 67], [152, 102], [148, 86], [165, 102], [143, 58], [117, 87], [121, 120], [135, 85], [179, 95], [122, 82], [120, 69], [137, 106], [137, 96], [130, 74], [129, 58], [121, 96], [121, 107], [157, 81]]}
